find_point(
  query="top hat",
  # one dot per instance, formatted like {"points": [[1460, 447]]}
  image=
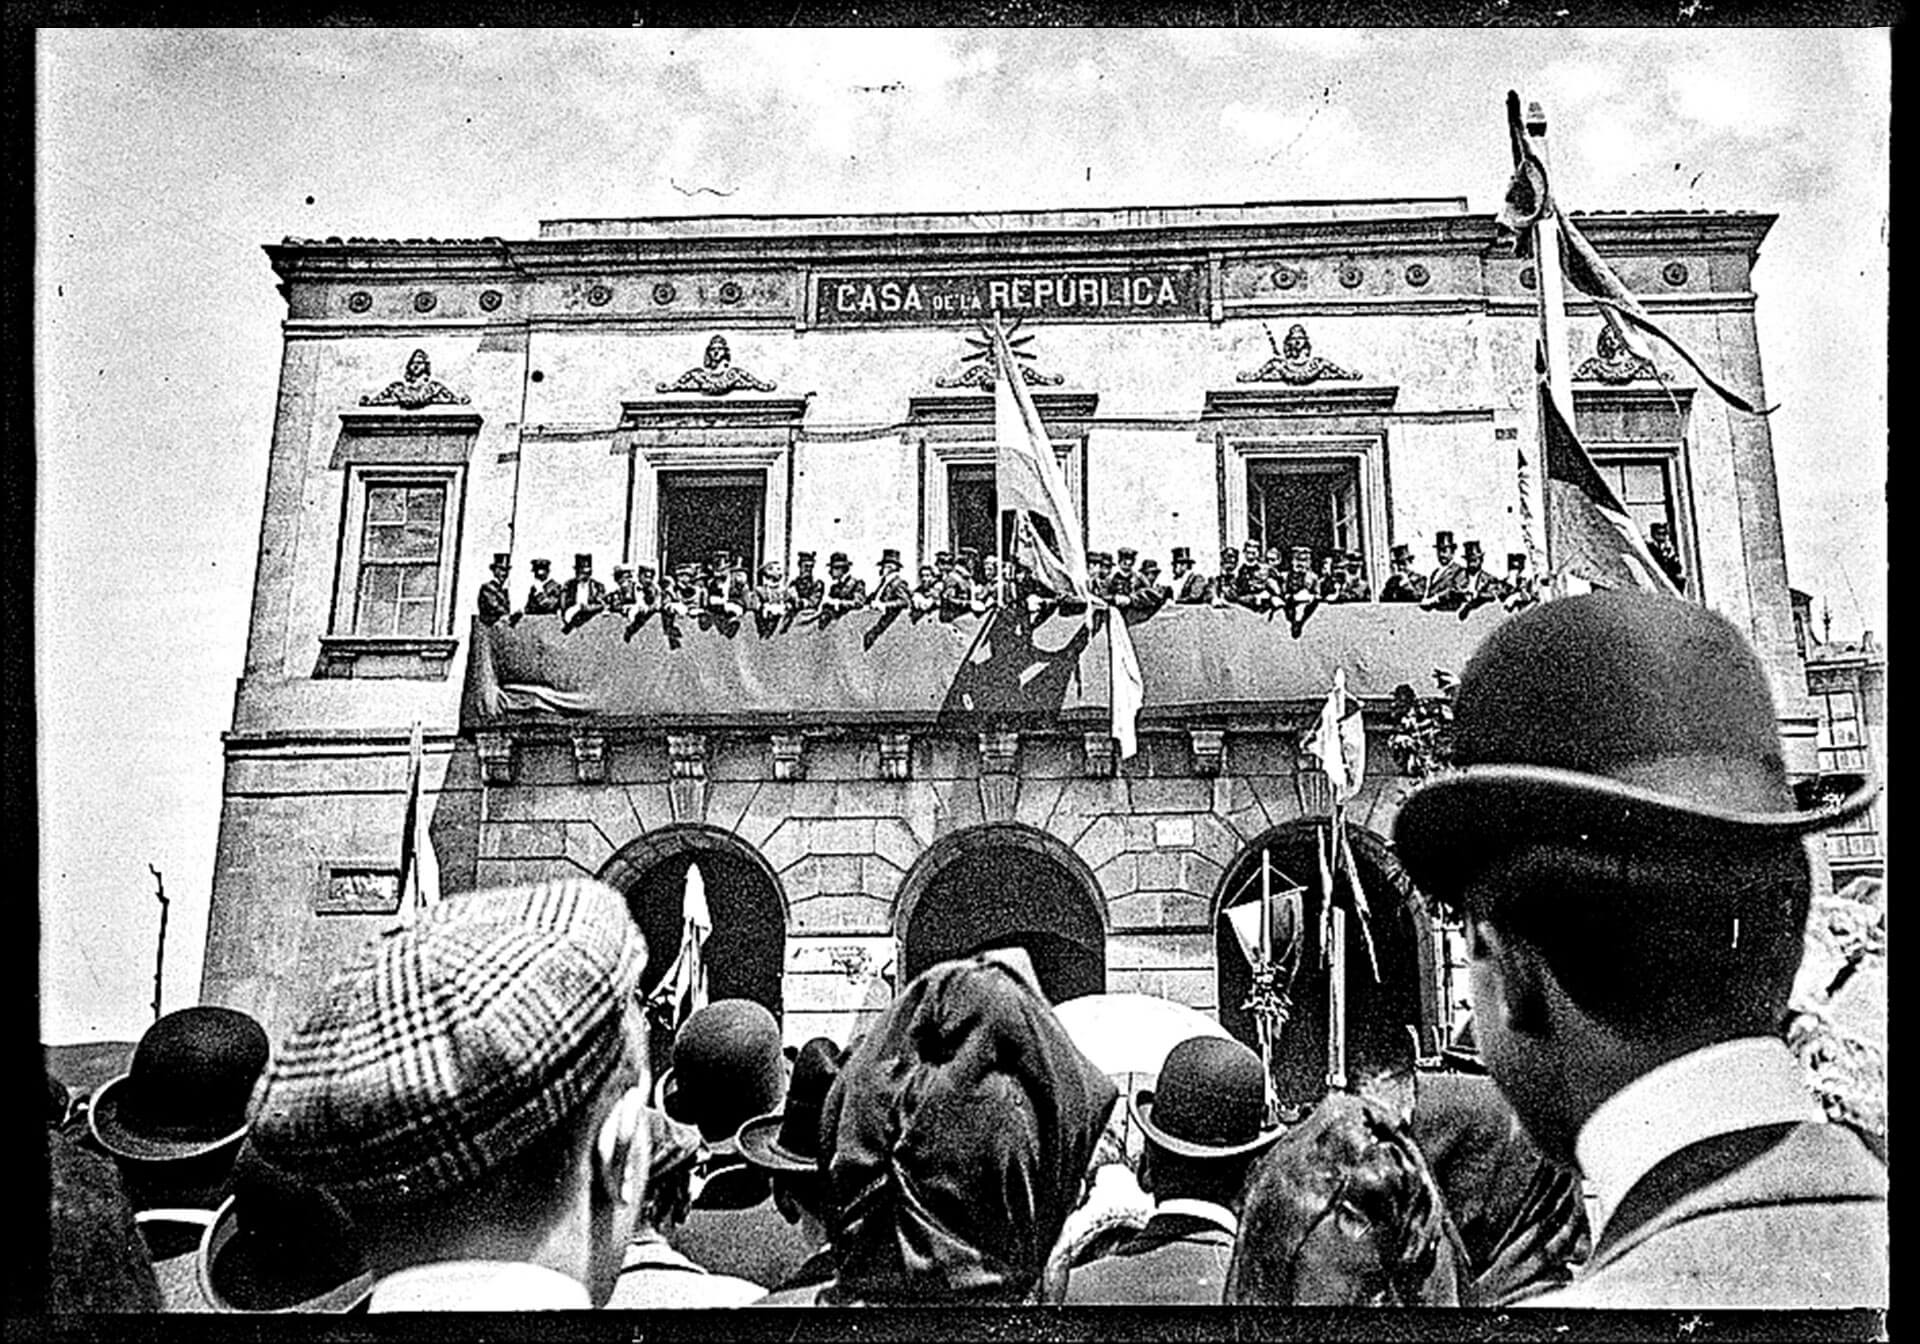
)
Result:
{"points": [[803, 558], [789, 1140], [1402, 551], [838, 560], [1516, 559], [727, 1068], [1211, 1100], [583, 562], [502, 560], [1442, 540], [1182, 556], [1611, 719], [890, 556], [1127, 553], [1472, 548], [278, 1244], [540, 566], [185, 1094]]}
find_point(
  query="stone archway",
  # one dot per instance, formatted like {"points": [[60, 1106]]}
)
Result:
{"points": [[746, 952], [1005, 885], [1378, 1014]]}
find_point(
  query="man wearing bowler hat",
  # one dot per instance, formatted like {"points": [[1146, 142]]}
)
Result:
{"points": [[787, 1144], [496, 603], [1624, 846], [173, 1123], [1205, 1126], [844, 592]]}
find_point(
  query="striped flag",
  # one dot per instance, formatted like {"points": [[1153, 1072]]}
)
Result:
{"points": [[1029, 481], [1590, 539]]}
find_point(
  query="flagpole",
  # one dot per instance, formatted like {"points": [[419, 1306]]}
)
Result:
{"points": [[999, 512], [1551, 284], [1336, 975], [1266, 958]]}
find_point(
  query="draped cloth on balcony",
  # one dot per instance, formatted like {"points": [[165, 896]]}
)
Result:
{"points": [[889, 668]]}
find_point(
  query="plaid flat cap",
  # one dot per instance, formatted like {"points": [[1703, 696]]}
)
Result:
{"points": [[455, 1044]]}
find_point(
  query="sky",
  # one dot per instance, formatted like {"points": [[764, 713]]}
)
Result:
{"points": [[166, 160]]}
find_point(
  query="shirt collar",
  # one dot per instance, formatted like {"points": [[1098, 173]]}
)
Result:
{"points": [[479, 1285], [1217, 1214], [1720, 1089]]}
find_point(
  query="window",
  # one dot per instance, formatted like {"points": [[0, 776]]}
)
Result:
{"points": [[705, 511], [1841, 744], [400, 552], [1644, 486], [1304, 502], [972, 501]]}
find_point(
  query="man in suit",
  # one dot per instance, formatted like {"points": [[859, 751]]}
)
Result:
{"points": [[1445, 576], [1403, 585], [1226, 586], [545, 598], [1149, 593], [891, 593], [1622, 842], [1204, 1129], [1190, 586], [1660, 543], [582, 596], [806, 591], [844, 592], [496, 603]]}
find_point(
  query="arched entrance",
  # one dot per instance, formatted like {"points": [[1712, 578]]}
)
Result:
{"points": [[746, 952], [1006, 885], [1378, 1014]]}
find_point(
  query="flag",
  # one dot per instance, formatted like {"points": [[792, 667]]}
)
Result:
{"points": [[1589, 535], [1128, 688], [419, 884], [1529, 200], [684, 986], [1340, 741], [1029, 481], [1287, 909]]}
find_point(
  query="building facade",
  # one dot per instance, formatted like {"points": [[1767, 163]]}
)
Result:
{"points": [[1847, 683], [867, 797]]}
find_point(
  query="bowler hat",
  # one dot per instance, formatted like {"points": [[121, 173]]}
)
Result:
{"points": [[803, 558], [1149, 566], [838, 560], [727, 1068], [1182, 555], [1613, 719], [186, 1090], [278, 1244], [890, 556], [789, 1140], [1211, 1101]]}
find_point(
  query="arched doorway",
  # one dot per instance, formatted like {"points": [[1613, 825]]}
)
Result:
{"points": [[1006, 886], [1378, 1013], [746, 952]]}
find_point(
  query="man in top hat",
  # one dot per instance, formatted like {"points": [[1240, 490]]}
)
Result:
{"points": [[545, 598], [496, 602], [1444, 575], [1622, 842], [891, 593], [1205, 1126], [844, 592], [728, 1069], [787, 1144], [1149, 593], [1190, 586], [806, 592], [473, 1092], [582, 597], [173, 1124], [1517, 590], [1403, 585], [1226, 584], [1660, 543]]}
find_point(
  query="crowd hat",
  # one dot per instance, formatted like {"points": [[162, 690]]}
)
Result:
{"points": [[890, 556], [1099, 558], [643, 571], [1402, 551], [838, 560], [583, 562], [455, 1043], [671, 1146], [727, 1069], [1300, 552], [1442, 540], [1149, 566], [789, 1140], [1472, 548], [618, 570], [277, 1244], [540, 566], [1615, 719], [803, 558], [185, 1092], [502, 560], [1182, 555], [1211, 1101], [1127, 553], [1516, 559]]}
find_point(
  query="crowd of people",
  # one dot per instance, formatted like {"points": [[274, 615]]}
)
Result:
{"points": [[1291, 582], [466, 1117]]}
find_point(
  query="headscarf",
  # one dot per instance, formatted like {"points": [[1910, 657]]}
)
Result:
{"points": [[962, 1127]]}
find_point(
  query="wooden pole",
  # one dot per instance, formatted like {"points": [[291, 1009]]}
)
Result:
{"points": [[1336, 973], [160, 956]]}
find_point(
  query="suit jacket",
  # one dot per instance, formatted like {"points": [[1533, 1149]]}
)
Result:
{"points": [[1177, 1258], [495, 601], [544, 598], [1790, 1215]]}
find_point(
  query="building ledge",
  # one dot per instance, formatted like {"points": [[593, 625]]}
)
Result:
{"points": [[419, 658]]}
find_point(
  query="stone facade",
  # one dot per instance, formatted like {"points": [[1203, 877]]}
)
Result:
{"points": [[1157, 365]]}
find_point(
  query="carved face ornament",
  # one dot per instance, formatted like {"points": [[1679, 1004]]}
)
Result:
{"points": [[1296, 345], [717, 353], [418, 366]]}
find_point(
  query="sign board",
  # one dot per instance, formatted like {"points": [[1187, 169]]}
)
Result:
{"points": [[1042, 294]]}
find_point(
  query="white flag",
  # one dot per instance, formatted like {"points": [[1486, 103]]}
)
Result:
{"points": [[1029, 481], [1340, 741], [1128, 687], [419, 866], [685, 983]]}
